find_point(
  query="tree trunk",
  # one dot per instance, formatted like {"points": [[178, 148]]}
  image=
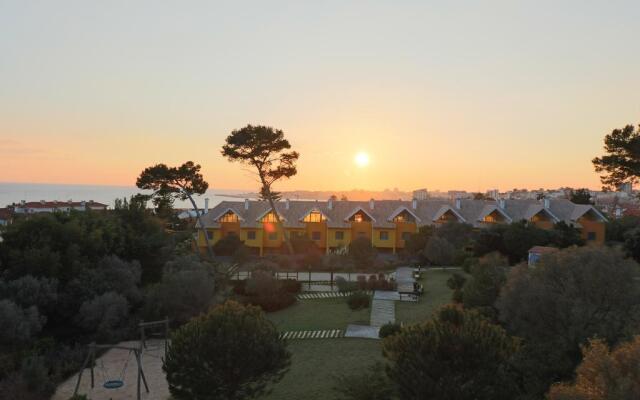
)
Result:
{"points": [[275, 212], [204, 231]]}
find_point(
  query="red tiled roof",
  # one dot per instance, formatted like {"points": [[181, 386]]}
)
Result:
{"points": [[6, 213], [58, 204]]}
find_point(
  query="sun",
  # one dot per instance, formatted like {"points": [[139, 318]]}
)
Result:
{"points": [[361, 159]]}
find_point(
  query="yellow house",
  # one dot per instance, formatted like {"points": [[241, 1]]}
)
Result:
{"points": [[388, 224]]}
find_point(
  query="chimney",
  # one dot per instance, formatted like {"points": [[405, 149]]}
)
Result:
{"points": [[458, 204], [246, 204], [330, 203], [286, 204], [546, 202], [206, 205], [414, 203], [372, 204], [501, 203]]}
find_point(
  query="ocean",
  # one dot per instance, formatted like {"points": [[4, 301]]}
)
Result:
{"points": [[15, 192]]}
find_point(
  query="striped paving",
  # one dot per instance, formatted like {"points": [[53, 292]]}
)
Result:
{"points": [[322, 334], [324, 295]]}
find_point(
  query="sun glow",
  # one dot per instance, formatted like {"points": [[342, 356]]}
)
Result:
{"points": [[361, 159]]}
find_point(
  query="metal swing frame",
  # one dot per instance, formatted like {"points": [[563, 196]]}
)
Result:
{"points": [[91, 358], [150, 324]]}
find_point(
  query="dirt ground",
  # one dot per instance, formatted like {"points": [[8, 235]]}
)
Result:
{"points": [[110, 366]]}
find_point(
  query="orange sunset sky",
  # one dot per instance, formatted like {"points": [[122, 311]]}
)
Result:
{"points": [[441, 95]]}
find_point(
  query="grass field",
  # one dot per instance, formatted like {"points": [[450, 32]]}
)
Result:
{"points": [[436, 293], [318, 314], [316, 363]]}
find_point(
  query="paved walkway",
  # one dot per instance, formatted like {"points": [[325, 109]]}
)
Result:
{"points": [[322, 334], [382, 312], [363, 331]]}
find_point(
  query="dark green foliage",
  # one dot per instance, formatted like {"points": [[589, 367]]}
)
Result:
{"points": [[487, 278], [105, 315], [456, 283], [362, 253], [418, 241], [228, 245], [388, 329], [564, 235], [232, 352], [263, 290], [632, 243], [440, 251], [570, 296], [186, 290], [456, 233], [372, 384], [18, 325], [457, 354], [358, 300], [616, 228], [291, 286], [345, 285], [580, 196], [621, 164], [519, 237]]}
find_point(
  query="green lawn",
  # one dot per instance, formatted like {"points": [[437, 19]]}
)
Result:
{"points": [[316, 363], [436, 293], [318, 314]]}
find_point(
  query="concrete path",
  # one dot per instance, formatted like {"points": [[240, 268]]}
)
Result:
{"points": [[382, 312], [321, 334], [362, 331], [386, 295]]}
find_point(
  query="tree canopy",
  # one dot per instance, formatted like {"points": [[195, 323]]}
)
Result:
{"points": [[580, 196], [621, 163]]}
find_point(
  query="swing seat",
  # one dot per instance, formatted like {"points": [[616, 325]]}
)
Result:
{"points": [[113, 384]]}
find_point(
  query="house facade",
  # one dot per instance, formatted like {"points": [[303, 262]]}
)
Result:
{"points": [[35, 207], [386, 223]]}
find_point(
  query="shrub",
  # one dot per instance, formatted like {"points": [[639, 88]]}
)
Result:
{"points": [[358, 300], [239, 352], [372, 384], [35, 375], [269, 293], [439, 251], [362, 252], [388, 329], [345, 286], [227, 246], [104, 315], [291, 286]]}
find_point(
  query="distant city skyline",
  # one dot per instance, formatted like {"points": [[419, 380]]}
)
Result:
{"points": [[443, 95]]}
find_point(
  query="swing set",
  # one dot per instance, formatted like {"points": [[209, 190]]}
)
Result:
{"points": [[112, 382]]}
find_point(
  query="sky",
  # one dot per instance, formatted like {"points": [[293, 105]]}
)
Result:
{"points": [[466, 95]]}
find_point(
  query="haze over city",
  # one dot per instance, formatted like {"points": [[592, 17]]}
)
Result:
{"points": [[374, 95]]}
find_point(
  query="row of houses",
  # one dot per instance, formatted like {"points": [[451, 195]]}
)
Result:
{"points": [[387, 223], [25, 208]]}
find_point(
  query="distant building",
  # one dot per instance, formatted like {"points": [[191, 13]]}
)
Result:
{"points": [[421, 194], [6, 216], [626, 187], [42, 206]]}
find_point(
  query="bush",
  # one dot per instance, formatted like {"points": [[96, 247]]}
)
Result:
{"points": [[362, 253], [239, 352], [358, 300], [291, 286], [227, 246], [269, 293], [345, 286], [388, 329], [104, 315], [35, 375], [372, 384], [439, 251]]}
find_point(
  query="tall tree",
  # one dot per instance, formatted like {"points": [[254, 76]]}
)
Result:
{"points": [[181, 182], [265, 149], [580, 196], [621, 164], [458, 354]]}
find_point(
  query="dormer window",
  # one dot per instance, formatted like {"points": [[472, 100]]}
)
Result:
{"points": [[269, 217], [493, 218], [314, 216], [358, 218], [229, 216], [404, 216]]}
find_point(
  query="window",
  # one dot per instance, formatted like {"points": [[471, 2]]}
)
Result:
{"points": [[339, 235], [273, 235], [384, 235], [229, 216], [358, 218], [315, 235], [591, 236], [406, 236], [210, 235], [251, 235], [404, 216], [270, 217], [314, 216]]}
